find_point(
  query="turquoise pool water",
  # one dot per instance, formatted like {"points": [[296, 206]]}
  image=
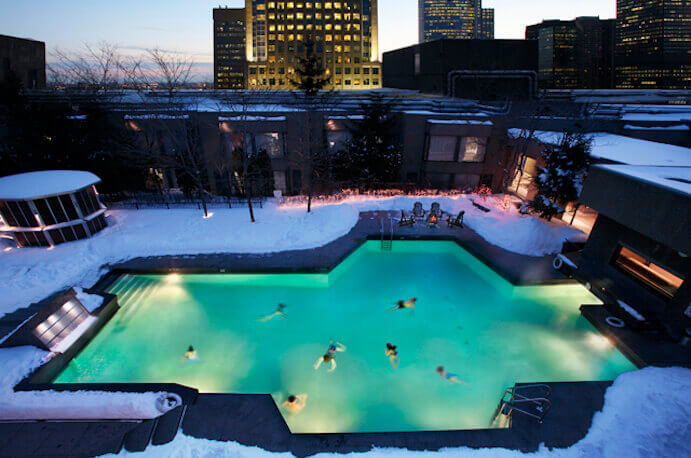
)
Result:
{"points": [[467, 318]]}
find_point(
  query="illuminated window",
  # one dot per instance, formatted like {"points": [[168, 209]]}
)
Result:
{"points": [[653, 276], [472, 150]]}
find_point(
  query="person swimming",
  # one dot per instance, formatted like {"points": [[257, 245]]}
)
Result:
{"points": [[278, 312], [330, 356], [190, 354], [450, 377], [410, 303], [392, 353], [295, 404]]}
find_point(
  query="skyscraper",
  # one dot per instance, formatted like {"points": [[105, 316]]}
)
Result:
{"points": [[344, 34], [653, 44], [487, 29], [574, 54], [230, 66], [450, 19]]}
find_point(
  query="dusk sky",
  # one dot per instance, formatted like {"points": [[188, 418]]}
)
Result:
{"points": [[185, 25]]}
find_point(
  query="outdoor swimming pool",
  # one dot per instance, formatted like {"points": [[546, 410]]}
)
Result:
{"points": [[467, 318]]}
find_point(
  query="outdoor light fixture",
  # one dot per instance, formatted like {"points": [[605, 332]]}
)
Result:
{"points": [[60, 324]]}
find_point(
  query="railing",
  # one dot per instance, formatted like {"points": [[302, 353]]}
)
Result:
{"points": [[169, 201], [535, 406]]}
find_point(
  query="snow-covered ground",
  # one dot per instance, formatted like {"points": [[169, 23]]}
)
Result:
{"points": [[646, 414], [30, 274]]}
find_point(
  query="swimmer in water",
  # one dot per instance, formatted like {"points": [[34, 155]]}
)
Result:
{"points": [[295, 404], [330, 356], [449, 377], [190, 354], [410, 303], [278, 312], [392, 353]]}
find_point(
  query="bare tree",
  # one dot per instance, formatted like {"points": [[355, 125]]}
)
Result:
{"points": [[167, 70], [94, 68]]}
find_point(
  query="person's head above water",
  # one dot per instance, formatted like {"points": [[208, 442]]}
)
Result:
{"points": [[440, 370], [291, 398], [282, 306], [190, 348], [390, 347]]}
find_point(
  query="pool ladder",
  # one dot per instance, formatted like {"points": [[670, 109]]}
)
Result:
{"points": [[386, 239], [512, 401]]}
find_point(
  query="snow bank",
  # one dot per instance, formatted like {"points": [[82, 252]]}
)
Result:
{"points": [[17, 363], [30, 274], [503, 227], [90, 301], [646, 414]]}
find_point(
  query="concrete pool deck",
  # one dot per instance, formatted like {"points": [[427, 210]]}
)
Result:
{"points": [[255, 420]]}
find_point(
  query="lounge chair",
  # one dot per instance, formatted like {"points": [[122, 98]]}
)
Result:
{"points": [[405, 221], [418, 211], [436, 210], [457, 221]]}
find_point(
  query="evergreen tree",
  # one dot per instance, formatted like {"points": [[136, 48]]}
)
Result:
{"points": [[561, 180], [310, 71], [373, 153]]}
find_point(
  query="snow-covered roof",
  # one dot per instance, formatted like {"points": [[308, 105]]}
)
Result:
{"points": [[460, 122], [675, 178], [676, 128], [34, 185], [251, 118], [621, 149]]}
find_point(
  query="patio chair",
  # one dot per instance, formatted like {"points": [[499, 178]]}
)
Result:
{"points": [[457, 221], [405, 221], [436, 209], [418, 211]]}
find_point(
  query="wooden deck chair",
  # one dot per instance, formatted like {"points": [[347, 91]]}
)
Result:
{"points": [[457, 221], [436, 209], [406, 222], [418, 211]]}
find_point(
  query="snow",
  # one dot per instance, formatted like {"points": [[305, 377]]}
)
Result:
{"points": [[674, 178], [30, 274], [467, 122], [646, 413], [678, 116], [34, 185], [17, 363], [679, 127], [158, 116], [90, 301], [630, 310]]}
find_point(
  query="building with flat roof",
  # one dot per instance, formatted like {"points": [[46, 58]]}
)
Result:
{"points": [[487, 28], [345, 36], [653, 44], [230, 64], [25, 59], [575, 54], [453, 19], [50, 207], [484, 69]]}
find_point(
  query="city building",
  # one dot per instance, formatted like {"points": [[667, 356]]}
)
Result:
{"points": [[230, 65], [487, 28], [344, 34], [50, 207], [653, 44], [24, 60], [453, 19], [575, 54], [476, 69]]}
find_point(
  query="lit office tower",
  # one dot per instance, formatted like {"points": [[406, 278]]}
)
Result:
{"points": [[344, 34], [574, 54], [458, 19], [653, 44], [230, 66], [487, 28]]}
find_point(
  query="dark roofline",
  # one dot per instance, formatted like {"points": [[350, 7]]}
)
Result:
{"points": [[23, 39]]}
